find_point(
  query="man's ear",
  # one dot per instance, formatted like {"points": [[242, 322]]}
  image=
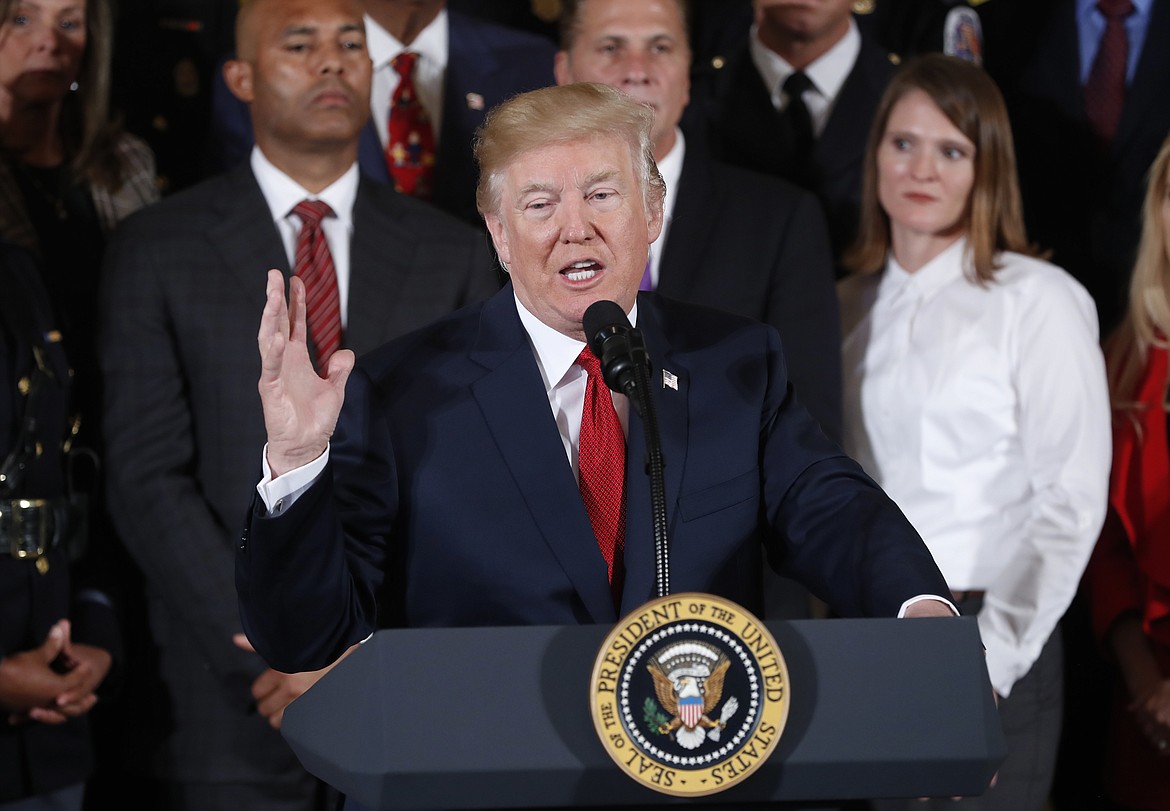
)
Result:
{"points": [[561, 70], [238, 76], [495, 227], [655, 218]]}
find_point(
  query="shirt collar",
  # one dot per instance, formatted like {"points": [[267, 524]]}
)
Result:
{"points": [[555, 352], [430, 44], [1087, 7], [282, 193], [928, 279], [828, 73]]}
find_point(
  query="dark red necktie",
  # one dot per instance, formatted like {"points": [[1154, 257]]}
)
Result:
{"points": [[601, 456], [410, 149], [1105, 90], [314, 264]]}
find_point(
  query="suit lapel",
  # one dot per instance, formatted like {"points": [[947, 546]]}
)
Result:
{"points": [[752, 139], [469, 73], [841, 142], [690, 225], [672, 409], [380, 258], [512, 398], [371, 158], [244, 234], [1054, 70], [1151, 81]]}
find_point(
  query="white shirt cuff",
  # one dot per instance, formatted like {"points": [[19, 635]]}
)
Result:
{"points": [[920, 598], [282, 492]]}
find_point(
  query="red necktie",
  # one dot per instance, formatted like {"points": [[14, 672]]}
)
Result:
{"points": [[314, 264], [1105, 90], [601, 457], [410, 149]]}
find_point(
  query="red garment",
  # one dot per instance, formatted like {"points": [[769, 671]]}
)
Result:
{"points": [[1130, 572]]}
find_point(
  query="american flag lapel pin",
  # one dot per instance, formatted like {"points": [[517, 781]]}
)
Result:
{"points": [[669, 380], [474, 101]]}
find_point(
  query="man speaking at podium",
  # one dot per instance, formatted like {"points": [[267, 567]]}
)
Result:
{"points": [[479, 475]]}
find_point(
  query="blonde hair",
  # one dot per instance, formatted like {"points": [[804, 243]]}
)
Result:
{"points": [[1147, 320], [994, 218], [561, 115]]}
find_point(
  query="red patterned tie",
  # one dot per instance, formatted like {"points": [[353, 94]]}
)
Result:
{"points": [[601, 456], [1105, 90], [410, 149], [314, 264]]}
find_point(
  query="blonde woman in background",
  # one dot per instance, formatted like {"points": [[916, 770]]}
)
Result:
{"points": [[1128, 578]]}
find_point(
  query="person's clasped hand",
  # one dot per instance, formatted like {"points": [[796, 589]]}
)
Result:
{"points": [[53, 682]]}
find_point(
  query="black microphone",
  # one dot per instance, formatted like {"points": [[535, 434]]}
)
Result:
{"points": [[618, 346]]}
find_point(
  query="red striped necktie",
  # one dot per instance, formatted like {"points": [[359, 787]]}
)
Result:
{"points": [[314, 264]]}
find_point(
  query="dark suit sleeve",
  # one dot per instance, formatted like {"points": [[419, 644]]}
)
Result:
{"points": [[831, 526], [306, 586]]}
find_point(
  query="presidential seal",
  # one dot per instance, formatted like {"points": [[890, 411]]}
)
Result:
{"points": [[689, 694]]}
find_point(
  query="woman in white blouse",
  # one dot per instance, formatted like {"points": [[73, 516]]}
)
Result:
{"points": [[975, 391]]}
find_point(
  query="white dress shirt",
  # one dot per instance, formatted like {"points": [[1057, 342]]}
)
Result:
{"points": [[282, 193], [670, 167], [432, 48], [827, 74], [983, 411]]}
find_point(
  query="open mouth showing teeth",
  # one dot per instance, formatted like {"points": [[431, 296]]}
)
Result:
{"points": [[581, 271]]}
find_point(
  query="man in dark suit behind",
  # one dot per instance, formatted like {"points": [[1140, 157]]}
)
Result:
{"points": [[751, 114], [737, 240], [185, 433], [466, 66], [449, 490], [1082, 195]]}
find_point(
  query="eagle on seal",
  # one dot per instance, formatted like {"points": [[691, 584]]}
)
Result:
{"points": [[689, 693]]}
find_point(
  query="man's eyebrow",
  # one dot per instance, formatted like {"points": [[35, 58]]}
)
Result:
{"points": [[308, 30], [536, 186], [600, 176], [298, 31]]}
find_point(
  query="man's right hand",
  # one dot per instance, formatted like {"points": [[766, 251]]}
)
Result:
{"points": [[300, 407]]}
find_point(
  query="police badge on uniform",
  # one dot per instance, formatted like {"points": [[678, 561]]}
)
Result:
{"points": [[963, 35], [689, 694]]}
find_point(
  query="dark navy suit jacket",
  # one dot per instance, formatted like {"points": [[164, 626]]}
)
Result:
{"points": [[484, 60], [448, 499]]}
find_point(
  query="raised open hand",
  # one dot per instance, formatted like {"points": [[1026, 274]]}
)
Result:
{"points": [[300, 406]]}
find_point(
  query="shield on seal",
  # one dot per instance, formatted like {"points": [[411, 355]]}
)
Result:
{"points": [[690, 710]]}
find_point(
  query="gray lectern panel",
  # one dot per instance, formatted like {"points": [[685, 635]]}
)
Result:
{"points": [[500, 717]]}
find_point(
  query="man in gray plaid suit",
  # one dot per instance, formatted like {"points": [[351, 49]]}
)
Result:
{"points": [[183, 282]]}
